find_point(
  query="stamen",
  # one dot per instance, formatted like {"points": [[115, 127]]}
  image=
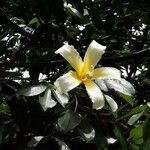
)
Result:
{"points": [[89, 75], [92, 67]]}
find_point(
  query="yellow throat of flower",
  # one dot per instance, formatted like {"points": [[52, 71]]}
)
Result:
{"points": [[84, 75]]}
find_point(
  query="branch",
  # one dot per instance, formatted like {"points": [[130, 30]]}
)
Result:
{"points": [[144, 52]]}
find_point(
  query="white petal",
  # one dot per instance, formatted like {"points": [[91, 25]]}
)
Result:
{"points": [[93, 54], [102, 85], [106, 73], [62, 98], [113, 105], [46, 101], [121, 85], [72, 56], [95, 94], [128, 86], [67, 82]]}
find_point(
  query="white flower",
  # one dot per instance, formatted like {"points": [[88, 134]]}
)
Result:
{"points": [[85, 72]]}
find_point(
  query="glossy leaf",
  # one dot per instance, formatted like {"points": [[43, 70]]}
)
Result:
{"points": [[74, 13], [86, 130], [135, 118], [33, 90], [46, 100], [113, 105], [135, 110], [69, 121], [119, 135], [62, 98], [136, 134], [128, 98]]}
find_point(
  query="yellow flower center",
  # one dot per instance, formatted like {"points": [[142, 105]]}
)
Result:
{"points": [[85, 76]]}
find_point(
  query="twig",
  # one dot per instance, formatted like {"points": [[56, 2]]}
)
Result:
{"points": [[130, 56], [144, 52]]}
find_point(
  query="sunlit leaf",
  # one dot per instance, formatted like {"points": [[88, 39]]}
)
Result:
{"points": [[74, 12], [62, 98], [34, 21], [135, 110], [135, 118], [33, 90], [128, 98], [46, 100], [148, 104], [34, 141], [113, 105]]}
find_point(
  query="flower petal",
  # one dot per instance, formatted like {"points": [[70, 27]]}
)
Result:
{"points": [[95, 94], [102, 85], [106, 73], [120, 85], [93, 55], [72, 56], [67, 82]]}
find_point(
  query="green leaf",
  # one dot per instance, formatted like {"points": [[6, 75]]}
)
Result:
{"points": [[34, 21], [128, 98], [134, 147], [4, 108], [146, 128], [136, 110], [74, 13], [134, 118], [69, 121], [33, 90], [46, 100], [113, 105], [100, 137], [119, 135], [86, 130], [146, 145], [136, 134]]}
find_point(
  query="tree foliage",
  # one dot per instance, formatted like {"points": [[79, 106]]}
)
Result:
{"points": [[32, 112]]}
